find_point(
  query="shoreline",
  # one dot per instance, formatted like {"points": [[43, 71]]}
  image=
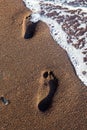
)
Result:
{"points": [[66, 30], [22, 62]]}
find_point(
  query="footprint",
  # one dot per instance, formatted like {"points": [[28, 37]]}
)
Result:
{"points": [[28, 27], [4, 101], [49, 82]]}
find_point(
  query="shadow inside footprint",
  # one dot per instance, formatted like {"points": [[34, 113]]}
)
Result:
{"points": [[45, 103], [30, 28]]}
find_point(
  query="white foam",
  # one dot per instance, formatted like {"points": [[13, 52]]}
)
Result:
{"points": [[60, 36], [33, 5]]}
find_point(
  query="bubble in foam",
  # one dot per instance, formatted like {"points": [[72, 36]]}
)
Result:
{"points": [[67, 22]]}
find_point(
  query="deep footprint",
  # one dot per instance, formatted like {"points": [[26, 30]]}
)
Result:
{"points": [[45, 103], [29, 27]]}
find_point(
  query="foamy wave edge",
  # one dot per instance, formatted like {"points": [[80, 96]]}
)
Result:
{"points": [[61, 38]]}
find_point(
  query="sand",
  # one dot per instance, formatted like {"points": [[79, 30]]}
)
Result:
{"points": [[21, 64]]}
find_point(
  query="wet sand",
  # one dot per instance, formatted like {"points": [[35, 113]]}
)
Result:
{"points": [[21, 64]]}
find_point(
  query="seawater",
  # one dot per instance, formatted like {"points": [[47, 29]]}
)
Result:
{"points": [[67, 21]]}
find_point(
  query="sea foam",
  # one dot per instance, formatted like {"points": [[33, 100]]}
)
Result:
{"points": [[67, 21]]}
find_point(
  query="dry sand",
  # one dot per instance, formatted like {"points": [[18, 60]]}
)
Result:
{"points": [[21, 64]]}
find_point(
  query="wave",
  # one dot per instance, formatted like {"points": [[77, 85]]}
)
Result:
{"points": [[67, 20]]}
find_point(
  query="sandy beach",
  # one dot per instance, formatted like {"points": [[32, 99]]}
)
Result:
{"points": [[21, 64]]}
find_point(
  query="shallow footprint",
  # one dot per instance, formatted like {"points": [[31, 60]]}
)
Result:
{"points": [[49, 83], [28, 27], [3, 102]]}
